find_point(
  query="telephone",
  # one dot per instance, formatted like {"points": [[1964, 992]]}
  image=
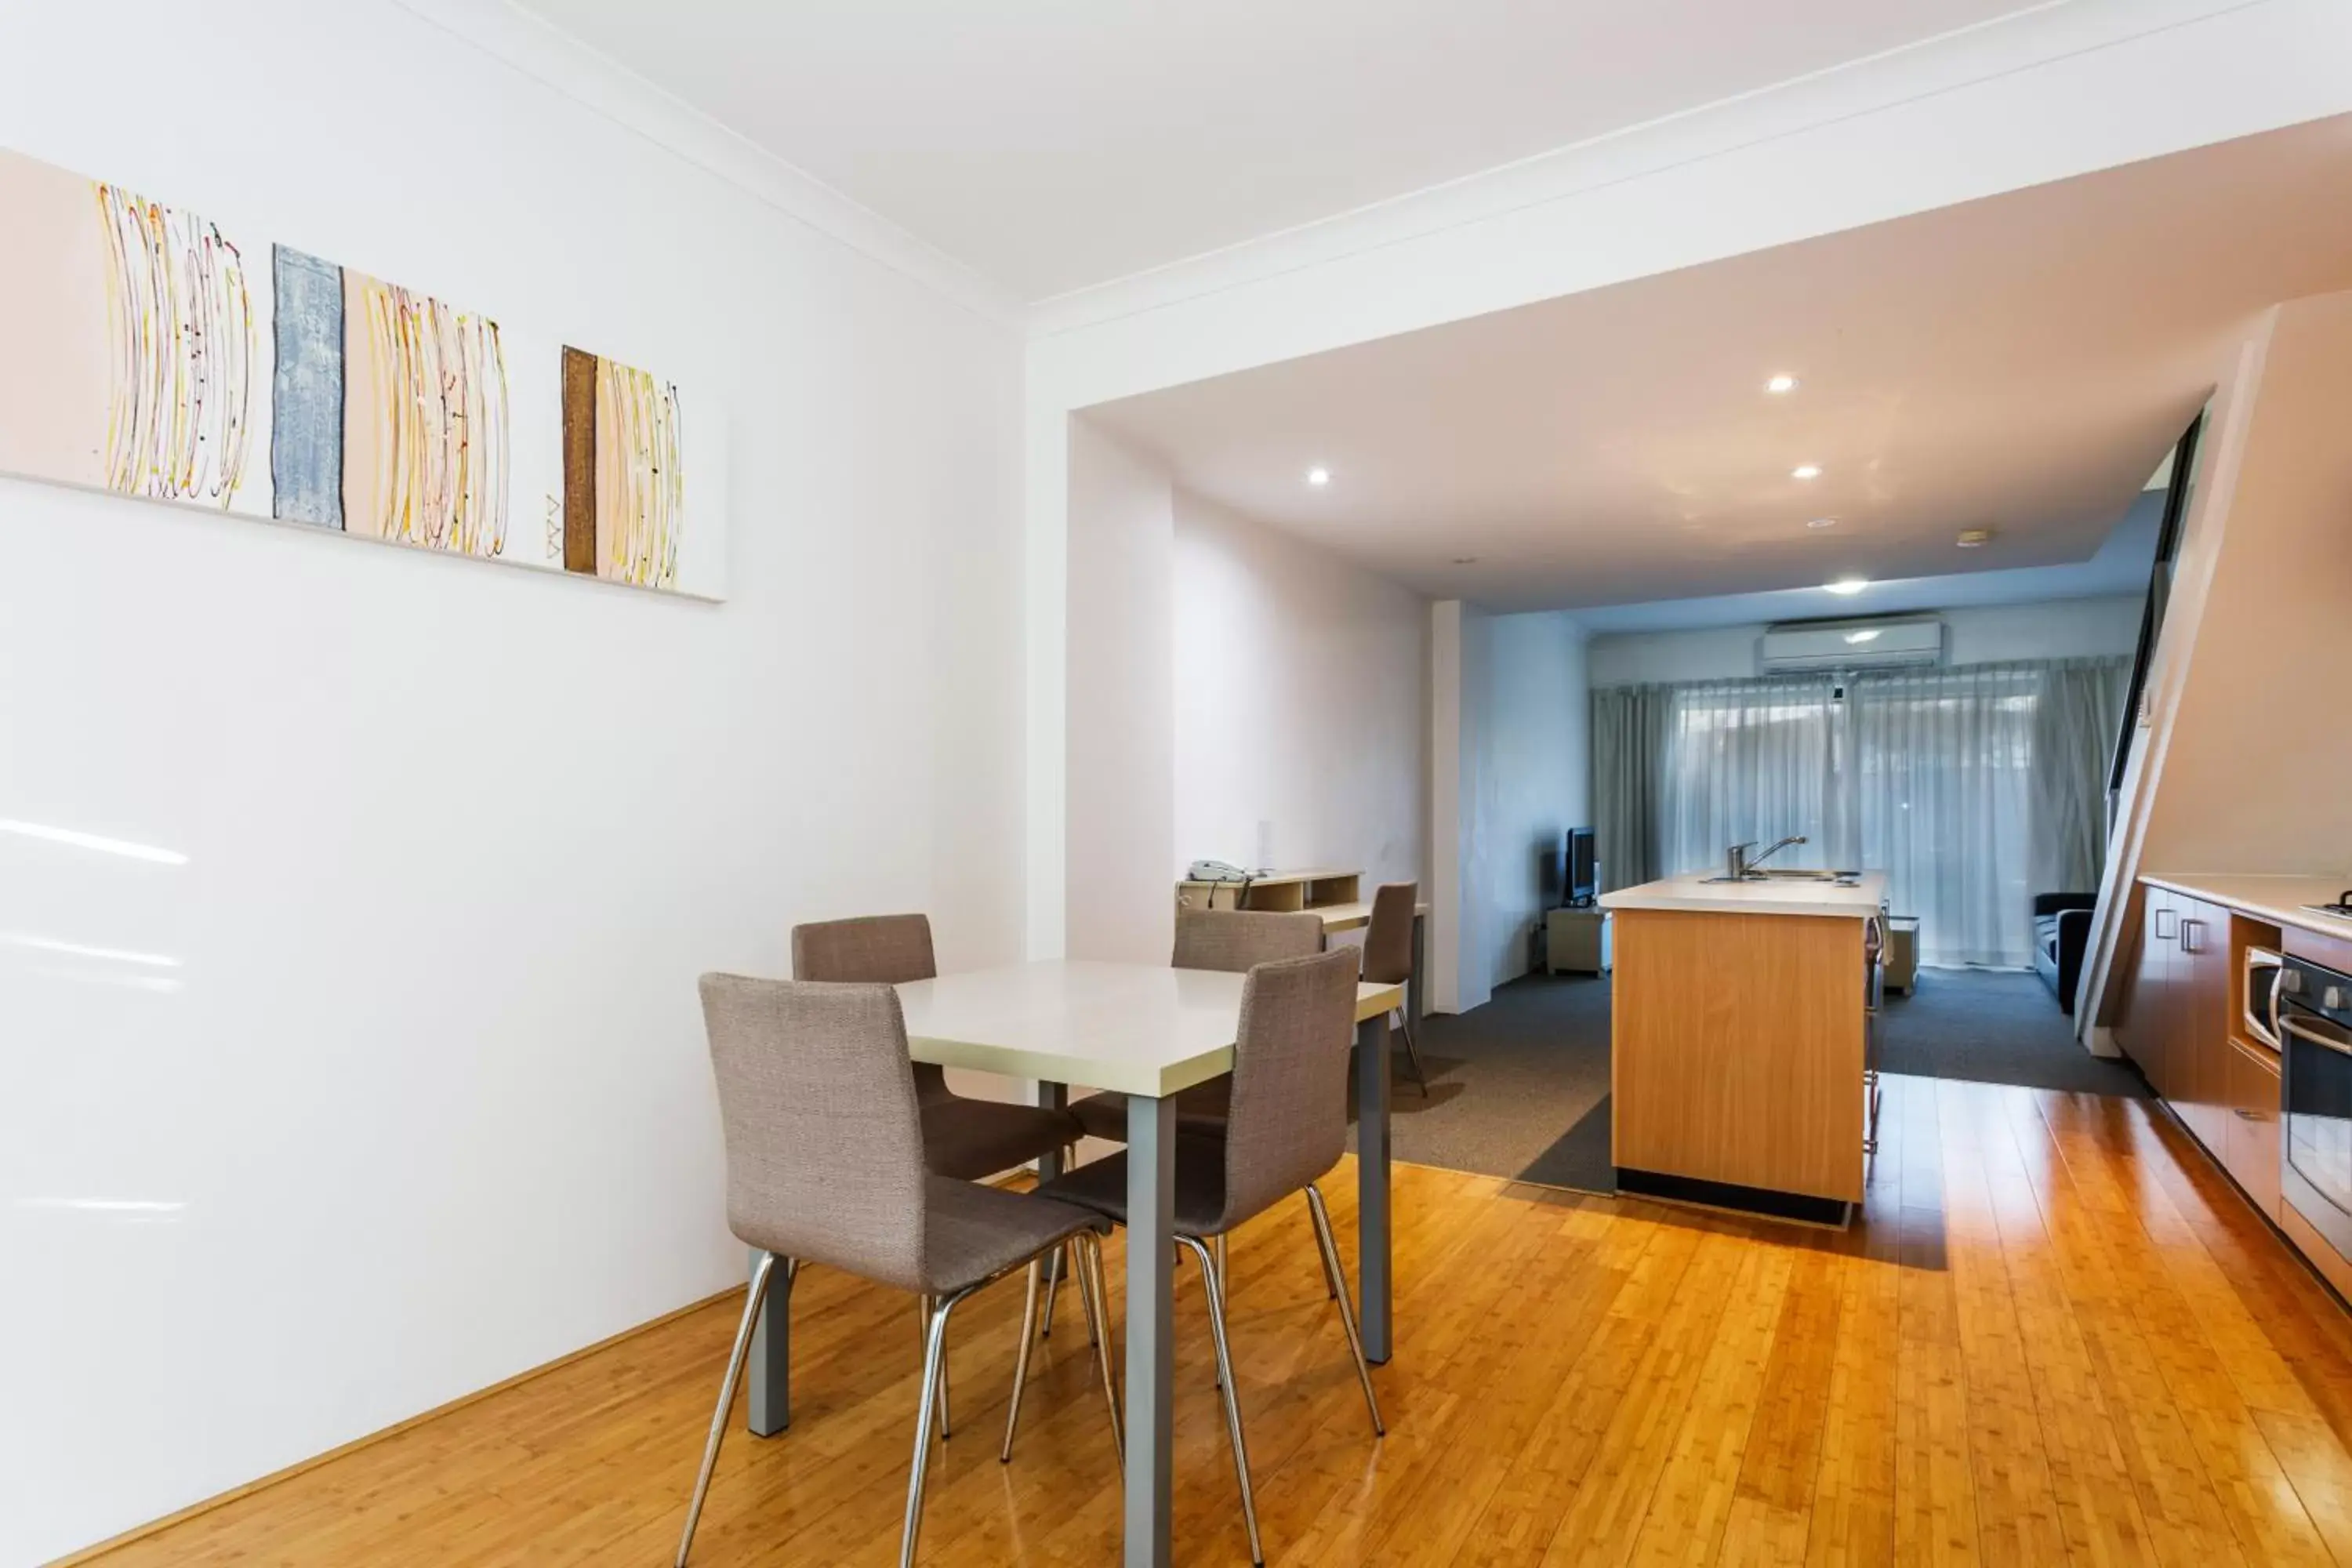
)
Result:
{"points": [[1215, 871]]}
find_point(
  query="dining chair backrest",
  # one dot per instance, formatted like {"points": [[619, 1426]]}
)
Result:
{"points": [[1287, 1123], [873, 949], [1238, 940], [1388, 940], [823, 1135]]}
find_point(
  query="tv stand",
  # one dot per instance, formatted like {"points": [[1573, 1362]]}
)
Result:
{"points": [[1576, 941]]}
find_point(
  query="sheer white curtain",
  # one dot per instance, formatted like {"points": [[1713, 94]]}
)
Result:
{"points": [[1940, 786], [1746, 760], [1960, 783]]}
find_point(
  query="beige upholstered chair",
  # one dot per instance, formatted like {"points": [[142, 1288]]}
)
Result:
{"points": [[1287, 1127], [1234, 941], [1388, 959], [825, 1165], [961, 1136]]}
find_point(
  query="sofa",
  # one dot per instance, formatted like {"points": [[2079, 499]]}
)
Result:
{"points": [[2061, 927]]}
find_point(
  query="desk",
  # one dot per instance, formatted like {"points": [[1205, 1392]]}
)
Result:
{"points": [[1148, 1031]]}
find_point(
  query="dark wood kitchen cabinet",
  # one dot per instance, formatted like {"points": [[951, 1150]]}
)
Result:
{"points": [[2201, 1095], [2145, 1025], [2251, 1140], [2176, 1019]]}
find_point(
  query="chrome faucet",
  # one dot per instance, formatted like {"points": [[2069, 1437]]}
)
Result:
{"points": [[1742, 865]]}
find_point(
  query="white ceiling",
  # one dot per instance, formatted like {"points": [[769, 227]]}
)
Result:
{"points": [[2019, 363], [1050, 145], [2120, 567]]}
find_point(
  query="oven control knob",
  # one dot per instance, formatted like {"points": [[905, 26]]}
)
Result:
{"points": [[2334, 1000]]}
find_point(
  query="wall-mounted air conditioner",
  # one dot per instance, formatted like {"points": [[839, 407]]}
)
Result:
{"points": [[1851, 645]]}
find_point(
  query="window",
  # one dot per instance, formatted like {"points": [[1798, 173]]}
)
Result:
{"points": [[1928, 775]]}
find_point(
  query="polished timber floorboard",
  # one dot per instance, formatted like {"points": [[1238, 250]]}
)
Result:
{"points": [[2057, 1335]]}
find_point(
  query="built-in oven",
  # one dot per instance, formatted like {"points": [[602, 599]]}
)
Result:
{"points": [[2311, 1013], [2262, 979]]}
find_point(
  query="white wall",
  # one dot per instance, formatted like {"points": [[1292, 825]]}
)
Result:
{"points": [[2064, 628], [2229, 771], [1535, 780], [417, 1094], [1123, 703], [1512, 737], [1301, 703]]}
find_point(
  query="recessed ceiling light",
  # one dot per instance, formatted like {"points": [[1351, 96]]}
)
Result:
{"points": [[1821, 523], [1806, 471], [1319, 476], [1782, 383], [1974, 538], [1847, 585], [1868, 634]]}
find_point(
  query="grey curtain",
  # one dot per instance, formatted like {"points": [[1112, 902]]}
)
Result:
{"points": [[1630, 727], [2074, 723]]}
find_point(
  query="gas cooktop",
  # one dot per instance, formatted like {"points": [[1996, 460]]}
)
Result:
{"points": [[2341, 909]]}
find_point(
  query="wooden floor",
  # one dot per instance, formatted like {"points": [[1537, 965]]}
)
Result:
{"points": [[2057, 1336]]}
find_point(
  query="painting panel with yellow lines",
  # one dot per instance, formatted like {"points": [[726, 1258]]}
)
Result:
{"points": [[154, 353], [638, 480]]}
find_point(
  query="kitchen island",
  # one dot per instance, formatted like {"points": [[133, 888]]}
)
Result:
{"points": [[1738, 1034]]}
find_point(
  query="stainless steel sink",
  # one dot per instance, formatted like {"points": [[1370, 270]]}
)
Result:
{"points": [[1846, 879]]}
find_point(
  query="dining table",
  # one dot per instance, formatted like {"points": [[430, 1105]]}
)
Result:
{"points": [[1149, 1031]]}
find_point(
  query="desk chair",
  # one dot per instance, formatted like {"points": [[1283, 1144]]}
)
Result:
{"points": [[826, 1164], [962, 1137], [1287, 1126], [1234, 942], [1388, 960]]}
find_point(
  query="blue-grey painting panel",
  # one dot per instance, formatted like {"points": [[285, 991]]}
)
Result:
{"points": [[306, 438]]}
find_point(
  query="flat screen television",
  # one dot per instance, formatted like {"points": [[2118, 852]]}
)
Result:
{"points": [[1583, 879], [1571, 874]]}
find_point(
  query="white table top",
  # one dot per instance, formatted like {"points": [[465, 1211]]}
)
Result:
{"points": [[1140, 1029], [1695, 893]]}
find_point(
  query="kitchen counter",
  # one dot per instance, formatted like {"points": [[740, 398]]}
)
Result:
{"points": [[1737, 1043], [1780, 896], [2278, 899]]}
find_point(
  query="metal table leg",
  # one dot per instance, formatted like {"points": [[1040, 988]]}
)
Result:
{"points": [[1372, 1264], [1053, 1097], [1412, 985], [1150, 1326], [769, 1402]]}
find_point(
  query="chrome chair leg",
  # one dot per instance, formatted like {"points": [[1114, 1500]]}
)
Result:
{"points": [[923, 1305], [1053, 1289], [1232, 1400], [1412, 1051], [1020, 1361], [935, 1389], [1224, 1276], [1337, 1281], [1095, 1299], [1085, 1265], [761, 1276]]}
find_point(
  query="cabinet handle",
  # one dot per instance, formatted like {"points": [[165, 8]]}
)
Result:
{"points": [[2245, 1115], [2187, 945], [2162, 934]]}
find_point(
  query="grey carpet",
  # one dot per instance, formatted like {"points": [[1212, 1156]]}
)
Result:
{"points": [[1994, 1027], [1519, 1088]]}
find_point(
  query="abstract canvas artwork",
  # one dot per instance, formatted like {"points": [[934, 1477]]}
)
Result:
{"points": [[624, 472], [150, 352]]}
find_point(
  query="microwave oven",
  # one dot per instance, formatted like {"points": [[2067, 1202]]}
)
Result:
{"points": [[2262, 983]]}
